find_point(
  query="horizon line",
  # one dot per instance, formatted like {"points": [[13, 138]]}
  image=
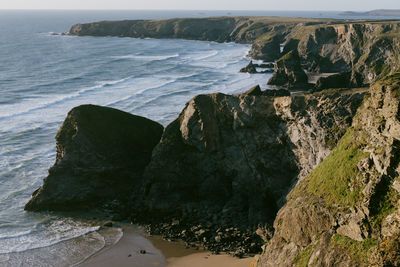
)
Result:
{"points": [[122, 9]]}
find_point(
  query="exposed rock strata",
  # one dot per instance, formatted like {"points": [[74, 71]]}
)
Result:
{"points": [[101, 154], [345, 212]]}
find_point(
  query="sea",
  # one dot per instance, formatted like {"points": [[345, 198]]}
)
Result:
{"points": [[44, 74]]}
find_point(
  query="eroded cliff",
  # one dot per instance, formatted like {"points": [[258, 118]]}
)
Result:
{"points": [[346, 211]]}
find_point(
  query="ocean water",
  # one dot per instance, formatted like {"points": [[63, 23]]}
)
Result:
{"points": [[44, 74]]}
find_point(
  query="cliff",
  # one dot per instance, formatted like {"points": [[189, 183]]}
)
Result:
{"points": [[225, 164], [345, 213], [367, 49]]}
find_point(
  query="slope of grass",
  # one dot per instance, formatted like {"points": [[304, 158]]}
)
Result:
{"points": [[334, 179]]}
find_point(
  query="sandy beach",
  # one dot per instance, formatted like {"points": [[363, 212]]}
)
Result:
{"points": [[137, 249]]}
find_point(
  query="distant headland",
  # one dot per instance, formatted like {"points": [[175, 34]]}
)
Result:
{"points": [[376, 12]]}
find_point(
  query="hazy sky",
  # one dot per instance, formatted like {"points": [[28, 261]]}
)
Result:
{"points": [[203, 4]]}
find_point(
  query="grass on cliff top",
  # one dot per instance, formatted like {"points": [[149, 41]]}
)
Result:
{"points": [[334, 180], [359, 251]]}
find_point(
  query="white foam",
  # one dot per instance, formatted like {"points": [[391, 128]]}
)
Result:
{"points": [[146, 58], [206, 55], [32, 104], [48, 234]]}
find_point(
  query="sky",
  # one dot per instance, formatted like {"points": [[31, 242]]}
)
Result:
{"points": [[336, 5]]}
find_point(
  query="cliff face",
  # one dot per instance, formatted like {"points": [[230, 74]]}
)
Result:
{"points": [[346, 211], [369, 50], [101, 154], [230, 160], [220, 170]]}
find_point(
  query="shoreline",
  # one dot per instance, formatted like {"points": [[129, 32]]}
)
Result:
{"points": [[135, 248]]}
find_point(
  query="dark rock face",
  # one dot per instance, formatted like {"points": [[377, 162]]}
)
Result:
{"points": [[101, 154], [288, 71], [228, 161], [218, 161], [251, 68], [279, 92], [267, 47], [346, 212], [340, 80], [255, 91]]}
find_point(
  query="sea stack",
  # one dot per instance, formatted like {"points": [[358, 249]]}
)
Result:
{"points": [[101, 154]]}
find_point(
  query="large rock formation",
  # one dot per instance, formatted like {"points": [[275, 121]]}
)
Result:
{"points": [[346, 212], [101, 154], [220, 170], [367, 49], [230, 160], [289, 72]]}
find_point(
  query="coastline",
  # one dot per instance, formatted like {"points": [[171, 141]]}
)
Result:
{"points": [[135, 248]]}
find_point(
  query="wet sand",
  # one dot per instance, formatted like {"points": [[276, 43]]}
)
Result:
{"points": [[207, 259], [158, 252], [127, 252]]}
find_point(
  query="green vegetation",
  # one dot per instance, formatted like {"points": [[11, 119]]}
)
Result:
{"points": [[266, 37], [359, 251], [334, 179], [383, 202], [288, 56], [390, 251], [382, 69], [303, 258]]}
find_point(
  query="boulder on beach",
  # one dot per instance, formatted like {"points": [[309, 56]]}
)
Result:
{"points": [[101, 154]]}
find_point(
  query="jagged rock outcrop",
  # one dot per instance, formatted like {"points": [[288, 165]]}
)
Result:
{"points": [[289, 72], [101, 154], [345, 213], [254, 91], [250, 68], [339, 80], [268, 47], [367, 49]]}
